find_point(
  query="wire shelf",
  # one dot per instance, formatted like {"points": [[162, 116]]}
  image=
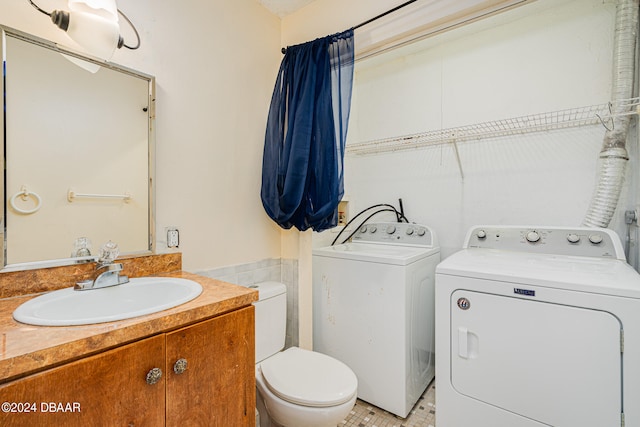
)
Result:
{"points": [[602, 114]]}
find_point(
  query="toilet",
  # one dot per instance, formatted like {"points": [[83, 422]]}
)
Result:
{"points": [[295, 387]]}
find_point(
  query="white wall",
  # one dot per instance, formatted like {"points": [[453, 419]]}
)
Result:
{"points": [[545, 56], [324, 17], [215, 65], [542, 57]]}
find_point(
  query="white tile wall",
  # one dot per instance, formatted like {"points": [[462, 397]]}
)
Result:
{"points": [[272, 269]]}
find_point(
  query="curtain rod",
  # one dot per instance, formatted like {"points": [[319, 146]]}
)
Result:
{"points": [[375, 18]]}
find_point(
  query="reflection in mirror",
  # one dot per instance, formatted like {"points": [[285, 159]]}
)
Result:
{"points": [[78, 150]]}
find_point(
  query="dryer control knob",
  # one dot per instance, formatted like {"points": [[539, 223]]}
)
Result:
{"points": [[481, 234], [391, 229], [409, 231], [363, 229], [596, 239], [373, 229], [573, 238], [421, 232], [532, 236]]}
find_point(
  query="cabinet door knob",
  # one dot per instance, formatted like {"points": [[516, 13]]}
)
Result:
{"points": [[180, 366], [154, 375]]}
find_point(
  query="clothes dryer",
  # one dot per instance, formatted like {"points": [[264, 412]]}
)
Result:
{"points": [[538, 326], [373, 309]]}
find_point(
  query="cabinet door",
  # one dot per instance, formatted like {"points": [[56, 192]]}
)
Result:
{"points": [[108, 389], [218, 386]]}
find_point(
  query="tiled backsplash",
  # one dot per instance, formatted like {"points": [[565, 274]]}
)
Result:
{"points": [[272, 269]]}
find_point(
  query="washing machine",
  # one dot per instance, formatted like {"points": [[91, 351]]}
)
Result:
{"points": [[373, 309], [538, 326]]}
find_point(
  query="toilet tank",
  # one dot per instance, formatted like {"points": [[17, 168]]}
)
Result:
{"points": [[271, 318]]}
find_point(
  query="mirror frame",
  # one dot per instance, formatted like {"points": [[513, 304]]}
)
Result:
{"points": [[29, 38]]}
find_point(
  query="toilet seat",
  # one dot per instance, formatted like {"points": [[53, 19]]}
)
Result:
{"points": [[308, 378]]}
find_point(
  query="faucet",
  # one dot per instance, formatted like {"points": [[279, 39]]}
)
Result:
{"points": [[107, 272]]}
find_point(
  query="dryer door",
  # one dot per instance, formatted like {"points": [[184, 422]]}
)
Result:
{"points": [[556, 364]]}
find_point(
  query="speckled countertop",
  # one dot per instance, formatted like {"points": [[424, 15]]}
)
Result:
{"points": [[26, 349]]}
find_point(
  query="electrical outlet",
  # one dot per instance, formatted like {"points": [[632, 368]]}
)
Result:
{"points": [[173, 237]]}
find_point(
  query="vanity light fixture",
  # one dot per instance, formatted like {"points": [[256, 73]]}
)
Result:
{"points": [[92, 25]]}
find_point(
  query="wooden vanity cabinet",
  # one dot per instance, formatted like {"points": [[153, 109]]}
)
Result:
{"points": [[212, 385], [218, 387], [105, 389]]}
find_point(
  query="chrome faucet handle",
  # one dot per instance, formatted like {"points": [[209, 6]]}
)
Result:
{"points": [[111, 268]]}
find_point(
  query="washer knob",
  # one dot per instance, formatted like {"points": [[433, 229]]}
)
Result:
{"points": [[373, 229], [573, 238], [532, 236], [409, 231], [363, 229], [481, 234], [596, 239], [421, 232], [391, 229]]}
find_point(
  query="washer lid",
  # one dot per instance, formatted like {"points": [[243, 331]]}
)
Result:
{"points": [[379, 253], [308, 378]]}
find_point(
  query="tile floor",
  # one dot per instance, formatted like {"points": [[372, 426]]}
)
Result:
{"points": [[422, 415]]}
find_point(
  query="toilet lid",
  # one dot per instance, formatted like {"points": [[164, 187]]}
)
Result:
{"points": [[308, 378]]}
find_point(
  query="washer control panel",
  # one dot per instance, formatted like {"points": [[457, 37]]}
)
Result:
{"points": [[579, 241], [396, 232]]}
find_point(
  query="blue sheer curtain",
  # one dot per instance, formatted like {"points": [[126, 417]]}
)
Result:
{"points": [[302, 166]]}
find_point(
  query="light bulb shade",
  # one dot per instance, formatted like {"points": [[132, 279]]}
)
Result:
{"points": [[104, 8], [89, 66], [93, 34]]}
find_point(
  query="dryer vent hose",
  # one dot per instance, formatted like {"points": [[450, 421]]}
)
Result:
{"points": [[613, 156]]}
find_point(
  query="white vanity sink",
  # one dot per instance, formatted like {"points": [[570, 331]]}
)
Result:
{"points": [[140, 296]]}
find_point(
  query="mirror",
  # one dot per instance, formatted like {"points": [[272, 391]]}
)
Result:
{"points": [[78, 150]]}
